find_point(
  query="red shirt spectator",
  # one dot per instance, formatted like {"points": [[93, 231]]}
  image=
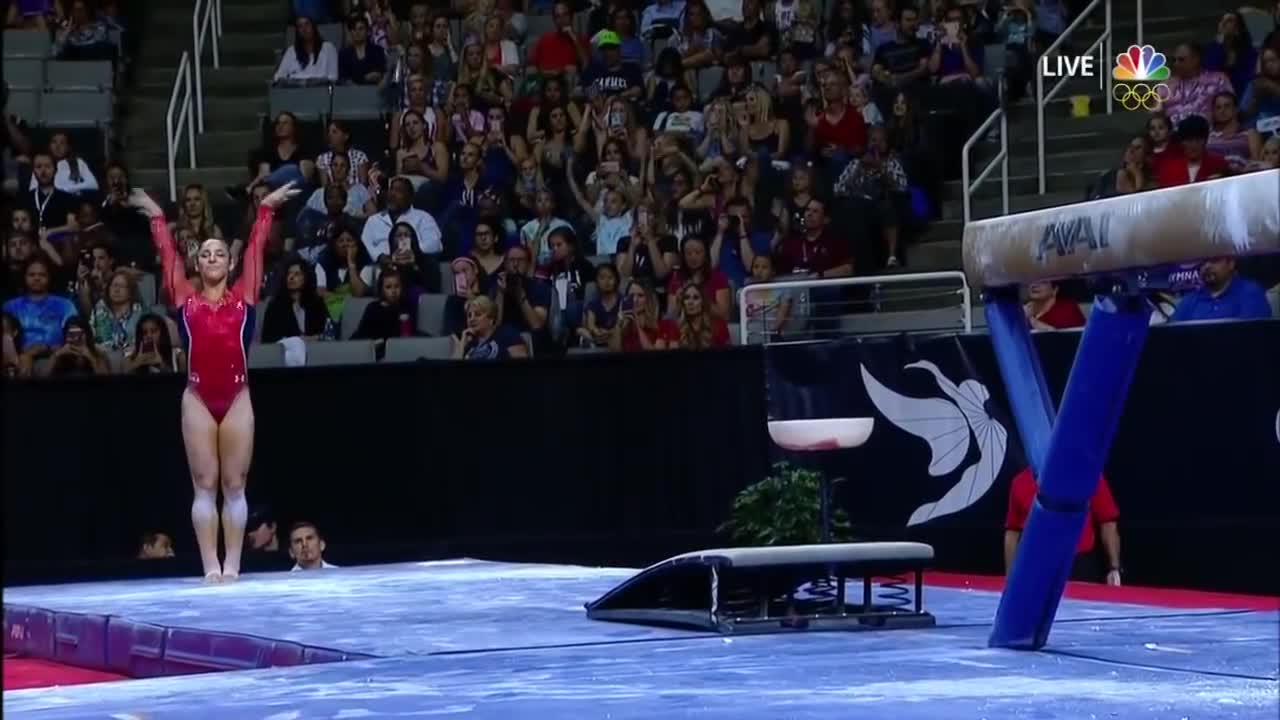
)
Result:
{"points": [[1102, 508], [1174, 170], [669, 330], [1046, 311], [559, 49], [818, 250], [847, 131]]}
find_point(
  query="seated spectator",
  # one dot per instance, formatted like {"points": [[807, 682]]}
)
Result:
{"points": [[846, 25], [765, 135], [1133, 175], [1194, 163], [467, 279], [418, 98], [1224, 295], [696, 269], [680, 119], [83, 36], [815, 250], [876, 185], [18, 247], [484, 338], [328, 207], [553, 96], [768, 310], [1192, 87], [568, 274], [342, 270], [1164, 146], [441, 61], [488, 86], [115, 316], [499, 53], [881, 30], [261, 531], [638, 314], [649, 253], [361, 62], [504, 147], [837, 131], [384, 29], [698, 40], [523, 300], [488, 256], [901, 65], [735, 230], [306, 547], [661, 81], [1232, 53], [1228, 136], [377, 229], [79, 355], [391, 316], [1046, 311], [133, 238], [1262, 102], [756, 38], [860, 101], [196, 214], [1016, 29], [34, 14], [310, 60], [52, 210], [423, 161], [71, 174], [42, 315], [560, 51], [283, 161], [17, 364], [418, 272], [338, 135], [153, 349], [661, 19], [1270, 155], [693, 327], [635, 51], [155, 546], [297, 309], [721, 135], [601, 316], [612, 220], [534, 234], [611, 76]]}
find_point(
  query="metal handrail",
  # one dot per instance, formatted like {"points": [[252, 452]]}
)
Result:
{"points": [[173, 126], [1104, 49], [208, 21], [969, 187], [966, 311]]}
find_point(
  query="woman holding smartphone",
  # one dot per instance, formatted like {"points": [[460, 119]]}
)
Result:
{"points": [[217, 414]]}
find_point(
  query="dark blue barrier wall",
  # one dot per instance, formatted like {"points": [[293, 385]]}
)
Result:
{"points": [[628, 459]]}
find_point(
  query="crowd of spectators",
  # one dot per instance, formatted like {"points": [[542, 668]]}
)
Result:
{"points": [[304, 547], [607, 189]]}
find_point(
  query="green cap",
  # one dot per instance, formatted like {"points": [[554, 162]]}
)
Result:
{"points": [[605, 38]]}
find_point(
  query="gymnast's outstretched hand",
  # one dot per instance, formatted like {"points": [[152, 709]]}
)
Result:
{"points": [[141, 201], [280, 196]]}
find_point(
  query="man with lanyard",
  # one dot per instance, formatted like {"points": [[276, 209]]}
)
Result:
{"points": [[52, 209]]}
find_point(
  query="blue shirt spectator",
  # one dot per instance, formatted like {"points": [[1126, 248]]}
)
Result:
{"points": [[1225, 296], [40, 314]]}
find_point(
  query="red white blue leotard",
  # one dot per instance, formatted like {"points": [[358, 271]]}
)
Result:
{"points": [[216, 334]]}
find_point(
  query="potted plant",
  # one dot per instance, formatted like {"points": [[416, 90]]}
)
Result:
{"points": [[785, 508]]}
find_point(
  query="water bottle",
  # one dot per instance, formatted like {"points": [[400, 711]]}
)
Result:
{"points": [[406, 330]]}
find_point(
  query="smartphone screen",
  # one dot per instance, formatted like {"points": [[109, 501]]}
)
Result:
{"points": [[402, 244], [459, 283]]}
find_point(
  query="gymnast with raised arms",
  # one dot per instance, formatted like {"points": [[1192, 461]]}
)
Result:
{"points": [[216, 322]]}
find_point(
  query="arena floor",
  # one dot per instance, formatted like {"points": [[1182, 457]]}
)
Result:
{"points": [[492, 640]]}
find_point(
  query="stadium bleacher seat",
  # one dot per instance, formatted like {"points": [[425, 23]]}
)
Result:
{"points": [[413, 349], [352, 310], [305, 102], [431, 314], [79, 75], [24, 73], [270, 355], [75, 109], [357, 102], [342, 352], [25, 104], [26, 44]]}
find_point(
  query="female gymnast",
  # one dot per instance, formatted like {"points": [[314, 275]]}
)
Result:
{"points": [[217, 416]]}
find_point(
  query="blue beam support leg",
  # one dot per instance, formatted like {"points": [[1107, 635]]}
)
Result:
{"points": [[1068, 477], [1020, 369]]}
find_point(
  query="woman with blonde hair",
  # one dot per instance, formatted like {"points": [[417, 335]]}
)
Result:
{"points": [[196, 214], [637, 326], [764, 134], [694, 327], [484, 338], [488, 85]]}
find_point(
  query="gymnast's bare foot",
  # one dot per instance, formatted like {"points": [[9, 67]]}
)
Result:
{"points": [[230, 577], [212, 578]]}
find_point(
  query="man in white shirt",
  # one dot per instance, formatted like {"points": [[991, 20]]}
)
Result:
{"points": [[306, 547], [377, 230]]}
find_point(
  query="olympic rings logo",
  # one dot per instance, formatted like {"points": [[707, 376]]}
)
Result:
{"points": [[1132, 96]]}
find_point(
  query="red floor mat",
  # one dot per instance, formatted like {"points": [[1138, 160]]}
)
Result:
{"points": [[1159, 597], [21, 673]]}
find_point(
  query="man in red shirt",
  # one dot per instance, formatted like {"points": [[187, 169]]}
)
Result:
{"points": [[838, 132], [561, 51], [816, 250], [1102, 512], [1195, 163], [1046, 311]]}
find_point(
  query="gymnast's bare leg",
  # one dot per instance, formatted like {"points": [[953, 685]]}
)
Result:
{"points": [[200, 435], [235, 451]]}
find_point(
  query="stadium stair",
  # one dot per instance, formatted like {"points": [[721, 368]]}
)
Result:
{"points": [[235, 95], [1077, 149]]}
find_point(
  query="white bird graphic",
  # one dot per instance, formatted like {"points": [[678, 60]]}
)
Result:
{"points": [[948, 427]]}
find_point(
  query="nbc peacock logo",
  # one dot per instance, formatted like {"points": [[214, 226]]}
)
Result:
{"points": [[1140, 72]]}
